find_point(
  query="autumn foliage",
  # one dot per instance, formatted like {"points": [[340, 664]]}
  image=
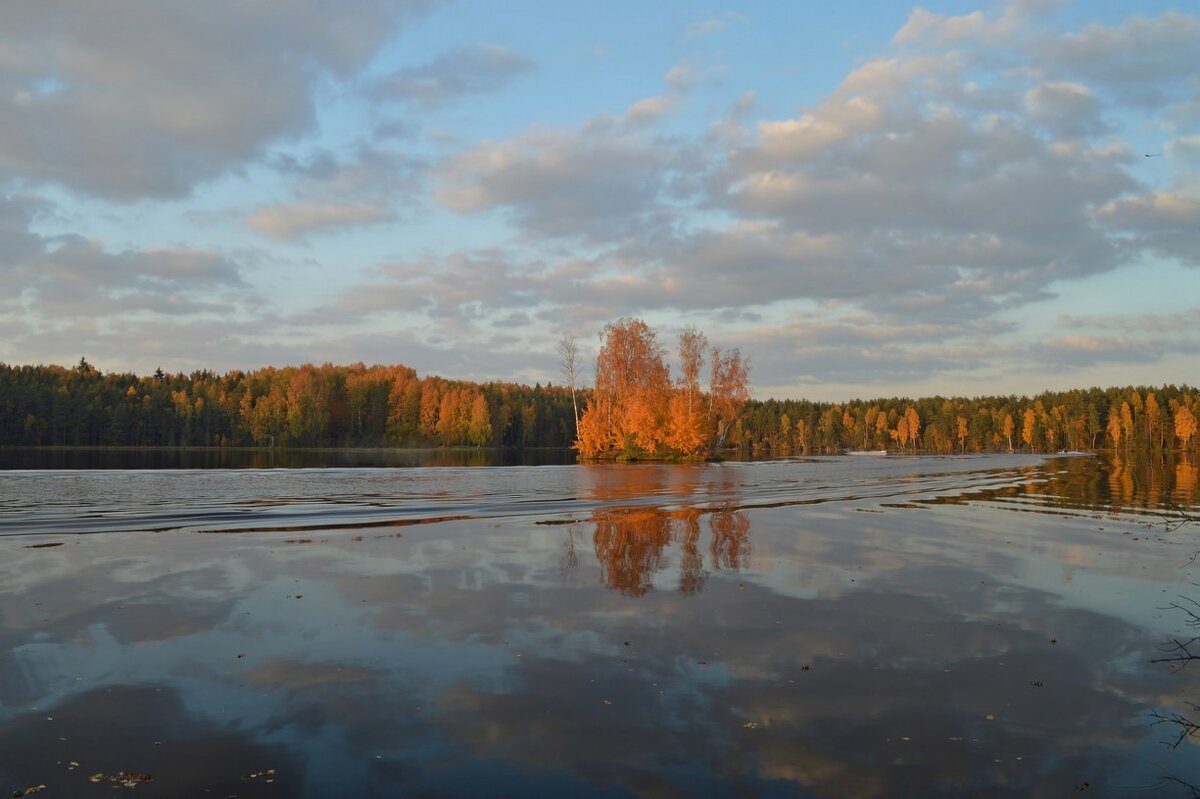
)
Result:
{"points": [[381, 405], [294, 406], [1126, 420], [637, 410]]}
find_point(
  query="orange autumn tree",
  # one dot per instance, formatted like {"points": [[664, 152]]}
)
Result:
{"points": [[628, 408], [688, 418], [1185, 425], [728, 391], [635, 409]]}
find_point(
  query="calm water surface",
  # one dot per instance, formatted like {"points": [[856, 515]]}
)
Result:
{"points": [[833, 627]]}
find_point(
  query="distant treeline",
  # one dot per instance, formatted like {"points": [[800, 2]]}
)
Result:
{"points": [[1127, 419], [305, 406], [357, 405]]}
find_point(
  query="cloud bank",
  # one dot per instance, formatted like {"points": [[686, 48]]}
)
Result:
{"points": [[918, 222]]}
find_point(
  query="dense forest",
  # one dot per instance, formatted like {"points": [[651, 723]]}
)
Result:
{"points": [[1125, 419], [358, 405], [305, 406], [1129, 419]]}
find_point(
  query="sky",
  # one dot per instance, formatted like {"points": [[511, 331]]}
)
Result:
{"points": [[882, 200]]}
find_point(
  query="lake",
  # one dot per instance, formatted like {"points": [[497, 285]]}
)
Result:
{"points": [[853, 626]]}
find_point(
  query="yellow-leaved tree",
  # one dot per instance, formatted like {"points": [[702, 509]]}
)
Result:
{"points": [[1185, 425], [635, 410]]}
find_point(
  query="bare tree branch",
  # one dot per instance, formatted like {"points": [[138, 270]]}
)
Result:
{"points": [[568, 353], [1186, 726]]}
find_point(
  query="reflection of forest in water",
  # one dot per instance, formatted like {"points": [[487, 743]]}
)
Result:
{"points": [[1114, 483], [897, 627], [265, 458], [631, 542]]}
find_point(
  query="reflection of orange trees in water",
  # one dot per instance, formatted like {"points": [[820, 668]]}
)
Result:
{"points": [[691, 561], [631, 545], [730, 540], [631, 540], [1152, 483], [1117, 483], [1185, 480], [1121, 483]]}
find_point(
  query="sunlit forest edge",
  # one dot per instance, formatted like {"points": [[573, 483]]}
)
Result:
{"points": [[392, 406]]}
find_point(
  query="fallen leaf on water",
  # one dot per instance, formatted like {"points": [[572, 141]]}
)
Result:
{"points": [[268, 773], [131, 780], [990, 717], [750, 725], [126, 778]]}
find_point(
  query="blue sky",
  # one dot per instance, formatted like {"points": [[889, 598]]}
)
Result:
{"points": [[889, 199]]}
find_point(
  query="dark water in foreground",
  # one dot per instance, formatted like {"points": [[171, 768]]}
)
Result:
{"points": [[839, 627]]}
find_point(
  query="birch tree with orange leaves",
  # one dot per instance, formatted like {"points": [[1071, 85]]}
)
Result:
{"points": [[687, 416], [636, 411], [1185, 425], [628, 408], [914, 424], [728, 392]]}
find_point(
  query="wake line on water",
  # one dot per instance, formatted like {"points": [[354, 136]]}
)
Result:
{"points": [[750, 490]]}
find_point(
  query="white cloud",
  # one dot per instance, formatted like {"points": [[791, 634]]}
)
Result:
{"points": [[943, 30], [1155, 210], [1067, 109], [1160, 222], [71, 292], [645, 111], [464, 71], [810, 133], [1142, 60], [291, 222], [600, 184], [705, 27], [885, 233], [338, 194], [125, 104]]}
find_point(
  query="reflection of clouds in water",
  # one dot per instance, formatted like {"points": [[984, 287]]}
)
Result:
{"points": [[885, 668], [459, 650], [142, 729]]}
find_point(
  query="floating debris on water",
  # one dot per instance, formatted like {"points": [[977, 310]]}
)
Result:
{"points": [[268, 774], [125, 778]]}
